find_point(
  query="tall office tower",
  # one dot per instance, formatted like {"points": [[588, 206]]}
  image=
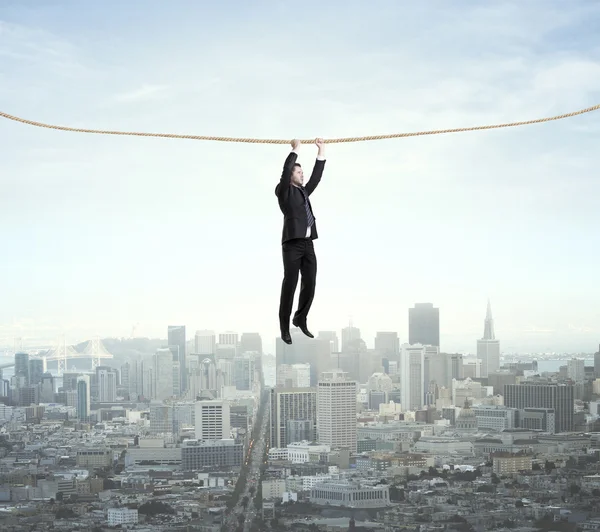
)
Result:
{"points": [[293, 376], [83, 397], [291, 410], [332, 338], [315, 352], [163, 374], [597, 363], [441, 368], [227, 346], [559, 397], [412, 376], [208, 373], [177, 339], [161, 418], [205, 342], [106, 379], [243, 371], [126, 375], [488, 348], [349, 335], [213, 420], [70, 381], [47, 388], [336, 410], [251, 342], [147, 370], [387, 344], [576, 370], [22, 366], [36, 370], [424, 324]]}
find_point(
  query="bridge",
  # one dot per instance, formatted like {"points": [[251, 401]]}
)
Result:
{"points": [[62, 353]]}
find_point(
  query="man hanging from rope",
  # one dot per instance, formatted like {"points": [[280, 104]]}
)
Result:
{"points": [[299, 231]]}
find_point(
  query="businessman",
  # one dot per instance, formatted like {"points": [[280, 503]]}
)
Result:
{"points": [[299, 231]]}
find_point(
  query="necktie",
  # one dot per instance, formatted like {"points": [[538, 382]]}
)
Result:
{"points": [[309, 215]]}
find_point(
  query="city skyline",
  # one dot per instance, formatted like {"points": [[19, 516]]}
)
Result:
{"points": [[91, 223]]}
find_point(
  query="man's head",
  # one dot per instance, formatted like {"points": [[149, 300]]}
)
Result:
{"points": [[297, 175]]}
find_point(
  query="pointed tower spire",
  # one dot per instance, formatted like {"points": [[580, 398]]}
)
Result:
{"points": [[488, 330]]}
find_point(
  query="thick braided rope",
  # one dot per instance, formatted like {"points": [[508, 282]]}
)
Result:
{"points": [[282, 141]]}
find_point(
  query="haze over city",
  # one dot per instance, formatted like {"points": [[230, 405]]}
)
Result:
{"points": [[104, 233]]}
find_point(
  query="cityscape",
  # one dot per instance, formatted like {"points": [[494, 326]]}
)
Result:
{"points": [[207, 432]]}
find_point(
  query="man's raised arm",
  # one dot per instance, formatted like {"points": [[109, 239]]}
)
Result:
{"points": [[317, 173], [283, 189]]}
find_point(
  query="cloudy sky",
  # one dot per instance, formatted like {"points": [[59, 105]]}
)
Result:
{"points": [[101, 233]]}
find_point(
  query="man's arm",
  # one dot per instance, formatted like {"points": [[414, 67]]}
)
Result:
{"points": [[283, 189], [317, 173]]}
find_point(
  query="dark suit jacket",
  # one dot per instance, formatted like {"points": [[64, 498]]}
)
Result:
{"points": [[291, 200]]}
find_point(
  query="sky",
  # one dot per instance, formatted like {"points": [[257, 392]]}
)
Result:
{"points": [[102, 233]]}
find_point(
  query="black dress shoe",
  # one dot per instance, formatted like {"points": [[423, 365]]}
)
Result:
{"points": [[286, 337], [303, 328]]}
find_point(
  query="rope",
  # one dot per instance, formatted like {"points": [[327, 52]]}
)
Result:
{"points": [[281, 141]]}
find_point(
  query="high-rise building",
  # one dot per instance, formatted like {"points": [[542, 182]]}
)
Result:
{"points": [[177, 340], [290, 409], [424, 325], [243, 371], [126, 375], [212, 420], [83, 397], [441, 368], [22, 366], [488, 348], [47, 388], [349, 335], [558, 397], [36, 370], [228, 345], [205, 342], [251, 342], [161, 418], [597, 363], [414, 374], [576, 370], [387, 344], [332, 338], [163, 374], [106, 379], [336, 410]]}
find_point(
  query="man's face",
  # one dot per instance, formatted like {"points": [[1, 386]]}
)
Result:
{"points": [[297, 176]]}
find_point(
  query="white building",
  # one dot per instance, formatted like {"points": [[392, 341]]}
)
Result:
{"points": [[163, 375], [488, 348], [497, 418], [336, 410], [576, 369], [122, 516], [350, 494], [412, 376], [107, 384], [380, 382], [205, 343], [301, 452], [212, 420]]}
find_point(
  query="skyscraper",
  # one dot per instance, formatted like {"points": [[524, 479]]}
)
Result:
{"points": [[559, 397], [22, 366], [424, 324], [205, 342], [412, 375], [290, 408], [488, 348], [349, 335], [597, 363], [336, 410], [387, 344], [177, 339], [251, 342], [36, 370], [332, 338], [83, 398], [163, 374], [106, 379]]}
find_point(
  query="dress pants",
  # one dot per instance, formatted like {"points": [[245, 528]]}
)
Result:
{"points": [[298, 257]]}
